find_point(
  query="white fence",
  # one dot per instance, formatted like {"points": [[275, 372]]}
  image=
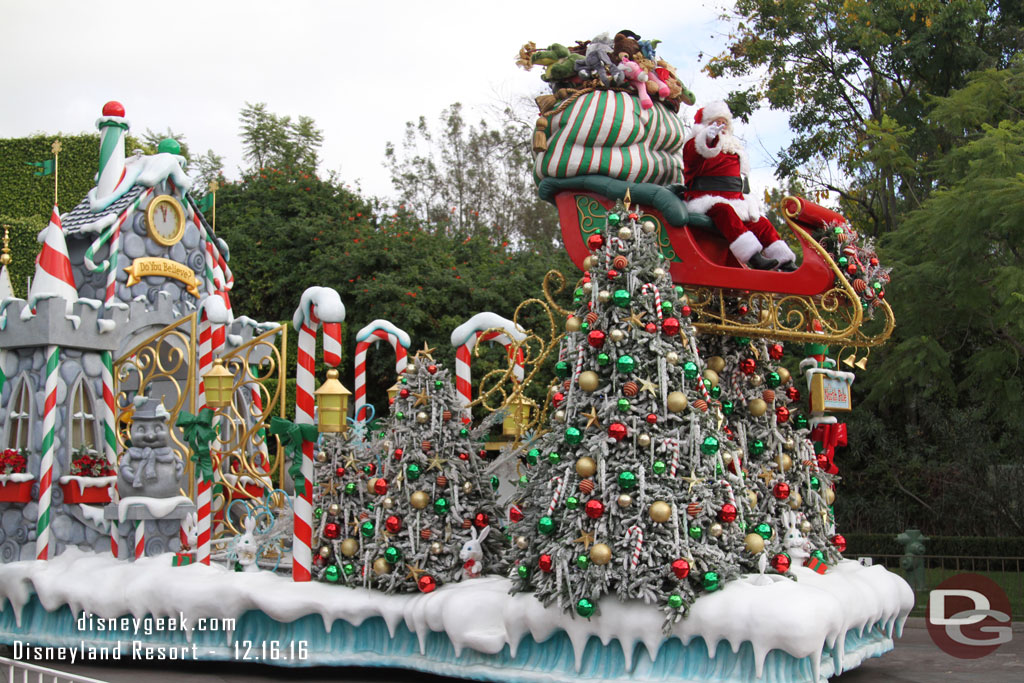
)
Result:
{"points": [[23, 672]]}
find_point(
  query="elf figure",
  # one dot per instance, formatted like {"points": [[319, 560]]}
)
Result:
{"points": [[715, 167]]}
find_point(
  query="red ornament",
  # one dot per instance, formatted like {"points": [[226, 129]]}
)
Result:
{"points": [[393, 524], [670, 326], [620, 262], [557, 399], [482, 453], [744, 309], [595, 242], [515, 514], [481, 519], [851, 269], [686, 311], [426, 583], [651, 328], [781, 490], [793, 394], [681, 568], [399, 453], [617, 431], [780, 563], [596, 338], [612, 274], [370, 469], [822, 460], [594, 509], [113, 108], [463, 456], [748, 366], [839, 541], [446, 415], [633, 216], [404, 393], [340, 472], [332, 530], [776, 351], [380, 487], [782, 414], [545, 563], [727, 513], [319, 560], [432, 369], [425, 534], [651, 419]]}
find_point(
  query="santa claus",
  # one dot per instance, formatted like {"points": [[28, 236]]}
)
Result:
{"points": [[715, 167]]}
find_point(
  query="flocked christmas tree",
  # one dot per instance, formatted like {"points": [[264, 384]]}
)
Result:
{"points": [[396, 514], [630, 491]]}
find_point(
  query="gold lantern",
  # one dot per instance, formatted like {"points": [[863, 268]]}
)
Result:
{"points": [[219, 384], [393, 391], [518, 411], [332, 404]]}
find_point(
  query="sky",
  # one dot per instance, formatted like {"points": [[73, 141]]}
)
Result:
{"points": [[360, 69]]}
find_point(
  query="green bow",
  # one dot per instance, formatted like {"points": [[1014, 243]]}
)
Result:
{"points": [[199, 432], [292, 436]]}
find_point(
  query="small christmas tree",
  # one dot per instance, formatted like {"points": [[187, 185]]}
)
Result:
{"points": [[629, 492], [403, 508]]}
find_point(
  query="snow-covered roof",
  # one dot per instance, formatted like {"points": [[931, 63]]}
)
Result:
{"points": [[81, 219]]}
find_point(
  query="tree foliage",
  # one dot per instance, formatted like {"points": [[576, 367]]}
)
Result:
{"points": [[276, 141]]}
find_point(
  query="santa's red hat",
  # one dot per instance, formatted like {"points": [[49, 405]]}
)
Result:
{"points": [[712, 111]]}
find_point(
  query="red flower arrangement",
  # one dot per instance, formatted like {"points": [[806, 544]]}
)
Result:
{"points": [[91, 465], [12, 462]]}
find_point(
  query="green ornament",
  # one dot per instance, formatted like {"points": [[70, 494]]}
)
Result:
{"points": [[711, 581], [584, 608], [412, 472], [709, 445], [366, 529], [562, 369], [716, 392], [532, 455], [800, 422], [393, 555], [332, 574], [578, 292], [623, 405], [405, 380], [553, 458], [659, 467], [367, 470], [680, 291], [369, 506], [495, 483], [545, 525], [774, 380], [573, 435], [572, 502], [399, 415], [621, 298], [742, 525], [585, 326], [627, 480], [613, 219], [764, 530], [843, 261], [666, 306], [348, 568], [815, 483], [695, 532], [742, 341], [818, 554], [727, 407], [582, 561], [523, 571], [757, 447], [625, 364], [603, 359], [438, 384], [441, 506], [690, 370], [350, 488], [576, 301], [318, 513], [707, 384], [718, 470], [464, 433], [523, 481], [675, 601]]}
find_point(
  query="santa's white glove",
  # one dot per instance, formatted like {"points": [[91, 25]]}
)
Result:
{"points": [[715, 129]]}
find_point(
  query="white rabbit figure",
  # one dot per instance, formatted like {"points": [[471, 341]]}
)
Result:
{"points": [[245, 546], [795, 543], [472, 554], [190, 525]]}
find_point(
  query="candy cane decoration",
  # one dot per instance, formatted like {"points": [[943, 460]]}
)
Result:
{"points": [[558, 488], [112, 235], [483, 327], [318, 304], [674, 463], [204, 505], [648, 287], [728, 487], [636, 531], [115, 499], [140, 538], [110, 408], [377, 331], [46, 463]]}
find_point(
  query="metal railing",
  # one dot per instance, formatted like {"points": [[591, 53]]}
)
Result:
{"points": [[23, 672]]}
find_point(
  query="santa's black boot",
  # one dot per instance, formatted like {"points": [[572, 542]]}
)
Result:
{"points": [[761, 263]]}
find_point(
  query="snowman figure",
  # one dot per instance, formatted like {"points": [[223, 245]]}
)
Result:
{"points": [[149, 467]]}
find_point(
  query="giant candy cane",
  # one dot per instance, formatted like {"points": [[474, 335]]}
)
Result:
{"points": [[465, 337], [378, 330], [318, 305], [46, 462]]}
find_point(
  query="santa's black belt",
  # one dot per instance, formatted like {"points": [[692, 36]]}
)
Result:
{"points": [[718, 183]]}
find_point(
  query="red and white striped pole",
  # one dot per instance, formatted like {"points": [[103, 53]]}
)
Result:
{"points": [[140, 538], [463, 364], [377, 331], [46, 463]]}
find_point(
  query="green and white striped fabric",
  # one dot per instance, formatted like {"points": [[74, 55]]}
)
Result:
{"points": [[608, 133]]}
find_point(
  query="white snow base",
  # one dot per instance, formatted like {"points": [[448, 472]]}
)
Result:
{"points": [[756, 628]]}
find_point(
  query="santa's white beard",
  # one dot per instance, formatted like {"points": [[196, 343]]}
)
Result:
{"points": [[730, 144]]}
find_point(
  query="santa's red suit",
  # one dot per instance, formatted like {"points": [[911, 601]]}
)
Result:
{"points": [[715, 167]]}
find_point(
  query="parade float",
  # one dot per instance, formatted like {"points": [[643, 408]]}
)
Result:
{"points": [[665, 514]]}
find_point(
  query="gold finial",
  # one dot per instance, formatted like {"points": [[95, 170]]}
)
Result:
{"points": [[5, 257], [55, 147], [627, 199], [213, 186]]}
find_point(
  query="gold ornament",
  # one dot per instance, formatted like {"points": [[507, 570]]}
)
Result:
{"points": [[389, 503], [522, 542], [625, 500], [789, 444], [795, 500], [715, 529], [757, 407], [589, 380], [370, 484], [586, 467], [349, 547], [660, 511], [625, 234], [333, 509], [711, 376], [381, 566], [325, 551], [752, 498], [784, 375], [321, 456], [672, 357], [589, 262], [753, 543], [830, 496], [419, 500], [677, 401], [422, 417], [573, 324], [436, 548], [659, 272], [805, 527], [756, 380], [411, 368], [600, 554], [649, 226], [644, 440], [588, 287], [559, 416], [467, 487], [727, 458], [786, 462], [716, 363], [616, 336], [604, 296]]}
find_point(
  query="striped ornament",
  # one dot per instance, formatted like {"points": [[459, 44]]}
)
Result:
{"points": [[46, 461], [362, 347], [610, 134]]}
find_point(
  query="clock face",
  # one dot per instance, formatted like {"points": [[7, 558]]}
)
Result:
{"points": [[166, 220]]}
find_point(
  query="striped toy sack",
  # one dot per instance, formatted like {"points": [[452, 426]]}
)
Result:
{"points": [[605, 132]]}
